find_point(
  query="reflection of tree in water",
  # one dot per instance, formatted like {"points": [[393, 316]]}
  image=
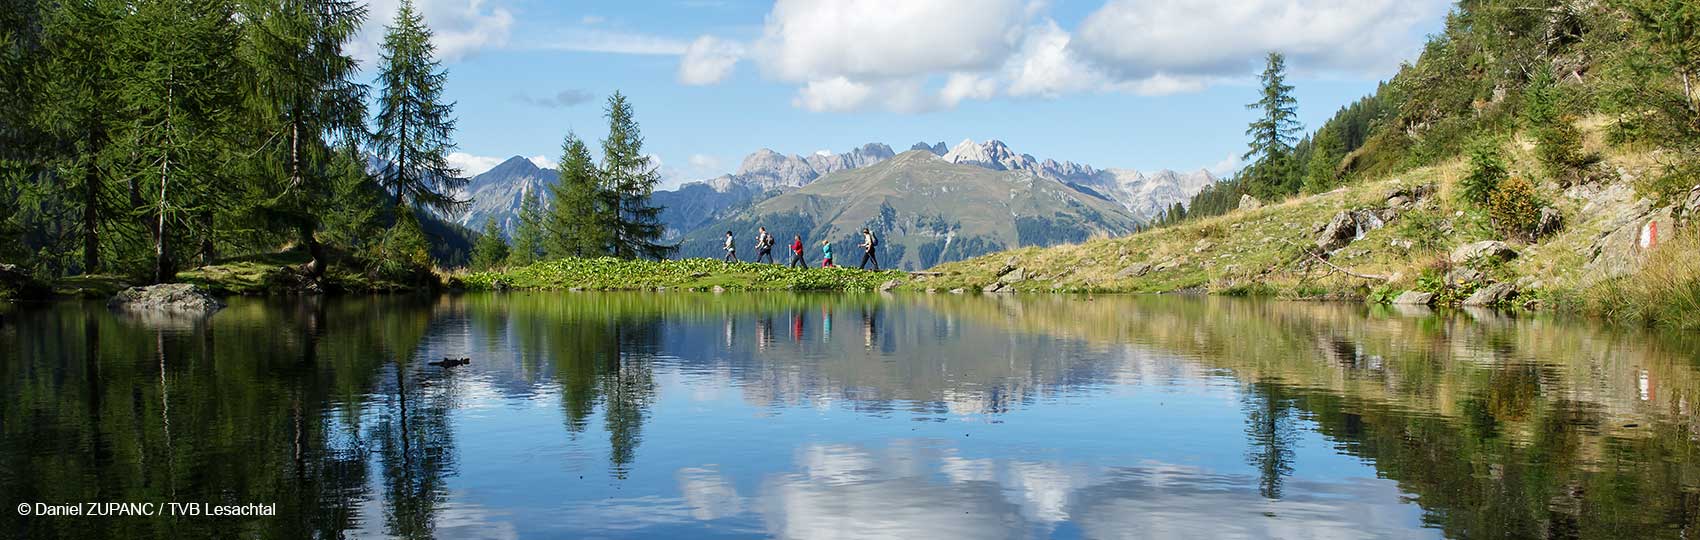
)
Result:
{"points": [[1272, 431], [236, 413], [415, 447], [628, 385]]}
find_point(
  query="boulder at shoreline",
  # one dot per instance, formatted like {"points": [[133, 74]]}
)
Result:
{"points": [[172, 297]]}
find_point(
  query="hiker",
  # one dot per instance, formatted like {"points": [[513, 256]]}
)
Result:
{"points": [[731, 249], [764, 245], [797, 252], [826, 251], [869, 242]]}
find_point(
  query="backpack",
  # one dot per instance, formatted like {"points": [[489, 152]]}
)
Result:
{"points": [[873, 240]]}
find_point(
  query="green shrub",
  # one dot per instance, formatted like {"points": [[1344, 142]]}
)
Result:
{"points": [[1487, 169], [1515, 208], [1424, 228], [1559, 149]]}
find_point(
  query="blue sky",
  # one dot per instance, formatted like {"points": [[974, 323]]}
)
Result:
{"points": [[1142, 84]]}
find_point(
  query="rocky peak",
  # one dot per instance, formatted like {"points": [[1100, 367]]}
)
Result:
{"points": [[937, 149]]}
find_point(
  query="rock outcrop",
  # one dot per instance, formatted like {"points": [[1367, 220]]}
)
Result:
{"points": [[1492, 295], [1248, 202], [1414, 298], [167, 297], [1486, 250]]}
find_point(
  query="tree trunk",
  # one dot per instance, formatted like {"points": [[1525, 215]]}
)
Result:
{"points": [[91, 216], [316, 265], [162, 240]]}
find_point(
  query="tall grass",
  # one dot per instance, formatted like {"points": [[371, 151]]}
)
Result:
{"points": [[1665, 292]]}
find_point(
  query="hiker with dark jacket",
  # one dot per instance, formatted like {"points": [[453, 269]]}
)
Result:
{"points": [[731, 249], [764, 245], [797, 252], [869, 242]]}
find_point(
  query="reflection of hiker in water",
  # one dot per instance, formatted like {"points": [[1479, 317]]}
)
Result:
{"points": [[731, 249], [825, 324], [797, 326], [869, 242], [764, 332], [764, 245], [869, 333], [797, 253], [826, 252]]}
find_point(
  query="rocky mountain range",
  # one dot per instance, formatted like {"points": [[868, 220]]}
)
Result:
{"points": [[926, 210], [766, 174]]}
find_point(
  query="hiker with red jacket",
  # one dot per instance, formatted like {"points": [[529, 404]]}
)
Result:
{"points": [[797, 252]]}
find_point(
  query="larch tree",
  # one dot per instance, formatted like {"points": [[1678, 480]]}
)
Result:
{"points": [[1272, 172], [415, 126], [579, 219], [630, 179], [177, 90], [303, 95], [79, 71]]}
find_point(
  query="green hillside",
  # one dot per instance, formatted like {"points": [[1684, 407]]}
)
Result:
{"points": [[1559, 129], [925, 211]]}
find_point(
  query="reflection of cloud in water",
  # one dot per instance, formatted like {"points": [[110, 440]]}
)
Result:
{"points": [[1166, 501], [913, 490], [708, 494]]}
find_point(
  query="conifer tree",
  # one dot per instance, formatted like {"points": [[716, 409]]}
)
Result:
{"points": [[491, 249], [304, 99], [1326, 151], [415, 126], [78, 71], [630, 178], [528, 234], [1272, 172], [579, 219], [177, 92]]}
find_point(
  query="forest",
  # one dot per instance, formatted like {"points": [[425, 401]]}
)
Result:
{"points": [[140, 140]]}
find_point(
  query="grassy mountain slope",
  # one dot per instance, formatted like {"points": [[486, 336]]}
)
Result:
{"points": [[925, 211], [1267, 250]]}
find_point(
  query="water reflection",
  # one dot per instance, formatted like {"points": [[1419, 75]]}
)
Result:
{"points": [[929, 416]]}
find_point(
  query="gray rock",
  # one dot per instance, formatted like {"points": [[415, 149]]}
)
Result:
{"points": [[718, 289], [994, 287], [1550, 222], [889, 285], [1463, 274], [1492, 295], [172, 297], [1414, 298], [1248, 202], [1338, 232], [1483, 250], [1014, 276], [1134, 270], [957, 290]]}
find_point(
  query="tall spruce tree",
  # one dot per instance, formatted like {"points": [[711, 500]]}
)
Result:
{"points": [[1272, 172], [178, 93], [415, 126], [528, 233], [304, 100], [579, 219], [630, 179]]}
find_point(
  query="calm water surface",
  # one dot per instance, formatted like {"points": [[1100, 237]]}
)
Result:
{"points": [[685, 415]]}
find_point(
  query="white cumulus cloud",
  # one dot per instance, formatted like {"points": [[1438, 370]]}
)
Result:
{"points": [[708, 60], [460, 28], [470, 164], [1140, 39]]}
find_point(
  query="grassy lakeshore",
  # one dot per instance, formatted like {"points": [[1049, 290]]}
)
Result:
{"points": [[611, 274]]}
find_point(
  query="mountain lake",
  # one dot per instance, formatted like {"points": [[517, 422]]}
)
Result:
{"points": [[696, 415]]}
